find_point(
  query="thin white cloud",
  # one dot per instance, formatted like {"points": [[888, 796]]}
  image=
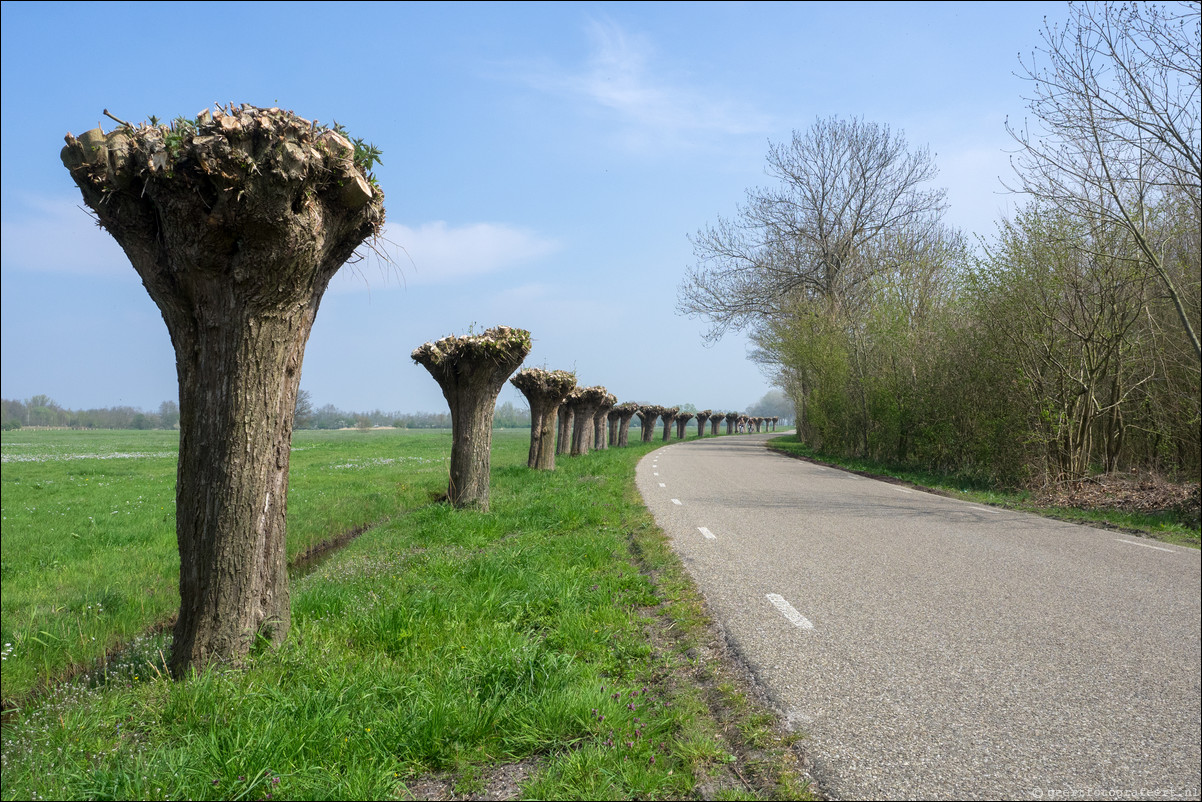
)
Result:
{"points": [[55, 235], [438, 253], [620, 77]]}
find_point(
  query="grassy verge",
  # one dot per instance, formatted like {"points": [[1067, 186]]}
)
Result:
{"points": [[90, 560], [1162, 526], [553, 644]]}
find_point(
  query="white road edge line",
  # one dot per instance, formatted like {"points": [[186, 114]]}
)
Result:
{"points": [[708, 534], [902, 490], [796, 618], [676, 501], [982, 509], [1145, 545]]}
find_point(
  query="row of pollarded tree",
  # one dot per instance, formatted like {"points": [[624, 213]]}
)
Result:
{"points": [[236, 221], [564, 418]]}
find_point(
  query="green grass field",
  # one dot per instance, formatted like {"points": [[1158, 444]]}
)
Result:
{"points": [[549, 636]]}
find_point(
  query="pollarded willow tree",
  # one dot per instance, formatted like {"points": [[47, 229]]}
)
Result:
{"points": [[682, 420], [702, 417], [236, 221], [564, 418], [471, 370], [668, 415], [648, 415], [585, 402], [716, 419], [602, 415], [545, 390], [625, 412], [731, 417]]}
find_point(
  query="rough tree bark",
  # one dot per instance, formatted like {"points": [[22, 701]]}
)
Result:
{"points": [[702, 417], [682, 420], [602, 415], [731, 417], [471, 371], [625, 413], [545, 390], [236, 222], [648, 415], [716, 421], [587, 400]]}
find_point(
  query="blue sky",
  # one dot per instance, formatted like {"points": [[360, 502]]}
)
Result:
{"points": [[544, 166]]}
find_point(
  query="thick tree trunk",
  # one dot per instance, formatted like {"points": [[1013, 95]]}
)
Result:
{"points": [[626, 412], [232, 479], [600, 443], [613, 419], [730, 422], [563, 443], [715, 422], [236, 223], [702, 418]]}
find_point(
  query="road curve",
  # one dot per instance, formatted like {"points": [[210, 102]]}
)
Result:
{"points": [[938, 649]]}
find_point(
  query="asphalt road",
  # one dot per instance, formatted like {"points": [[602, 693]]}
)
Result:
{"points": [[938, 649]]}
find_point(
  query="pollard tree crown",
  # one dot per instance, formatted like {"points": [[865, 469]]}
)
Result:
{"points": [[495, 345], [233, 191]]}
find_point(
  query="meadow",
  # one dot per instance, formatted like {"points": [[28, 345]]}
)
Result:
{"points": [[552, 645]]}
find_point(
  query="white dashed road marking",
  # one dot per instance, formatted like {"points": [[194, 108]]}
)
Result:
{"points": [[796, 618], [1145, 545], [708, 534], [902, 490], [982, 509], [661, 484], [676, 501]]}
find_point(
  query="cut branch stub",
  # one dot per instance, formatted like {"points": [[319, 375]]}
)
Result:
{"points": [[236, 222], [545, 390], [471, 371]]}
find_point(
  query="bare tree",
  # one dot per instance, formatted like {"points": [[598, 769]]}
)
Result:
{"points": [[545, 390], [716, 419], [702, 417], [842, 184], [471, 371], [236, 222], [1116, 95]]}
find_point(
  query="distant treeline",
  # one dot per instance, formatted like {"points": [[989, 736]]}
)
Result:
{"points": [[331, 417], [41, 410]]}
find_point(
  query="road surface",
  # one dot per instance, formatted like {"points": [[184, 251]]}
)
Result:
{"points": [[939, 649]]}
